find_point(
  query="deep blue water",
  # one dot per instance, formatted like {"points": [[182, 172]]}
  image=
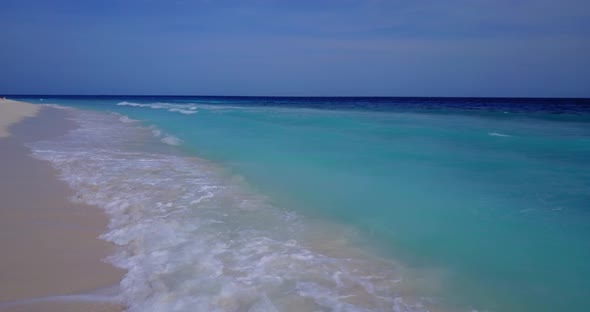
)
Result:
{"points": [[523, 105]]}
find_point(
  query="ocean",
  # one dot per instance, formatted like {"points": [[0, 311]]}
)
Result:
{"points": [[336, 204]]}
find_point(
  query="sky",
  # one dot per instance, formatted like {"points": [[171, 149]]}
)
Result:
{"points": [[496, 48]]}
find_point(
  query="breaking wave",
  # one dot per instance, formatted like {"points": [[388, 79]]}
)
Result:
{"points": [[188, 109], [193, 239]]}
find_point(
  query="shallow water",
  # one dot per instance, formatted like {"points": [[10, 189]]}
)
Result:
{"points": [[334, 204]]}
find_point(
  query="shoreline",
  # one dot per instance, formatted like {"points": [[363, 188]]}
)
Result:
{"points": [[52, 257]]}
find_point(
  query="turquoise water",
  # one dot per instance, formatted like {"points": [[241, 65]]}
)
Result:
{"points": [[487, 203]]}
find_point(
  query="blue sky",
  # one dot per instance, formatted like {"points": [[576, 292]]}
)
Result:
{"points": [[536, 48]]}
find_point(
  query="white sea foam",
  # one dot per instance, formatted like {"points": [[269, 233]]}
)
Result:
{"points": [[125, 119], [193, 240], [193, 108], [498, 134], [156, 132], [57, 106], [185, 109], [171, 140], [103, 295], [125, 103], [165, 138]]}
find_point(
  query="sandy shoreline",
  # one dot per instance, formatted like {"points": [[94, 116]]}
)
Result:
{"points": [[51, 257], [11, 112]]}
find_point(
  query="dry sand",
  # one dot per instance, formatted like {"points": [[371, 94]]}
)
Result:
{"points": [[12, 112], [48, 244]]}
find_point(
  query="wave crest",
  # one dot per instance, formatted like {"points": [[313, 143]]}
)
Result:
{"points": [[187, 109]]}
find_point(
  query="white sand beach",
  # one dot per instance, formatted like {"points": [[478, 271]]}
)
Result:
{"points": [[51, 257]]}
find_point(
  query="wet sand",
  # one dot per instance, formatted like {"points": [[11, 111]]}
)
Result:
{"points": [[51, 258]]}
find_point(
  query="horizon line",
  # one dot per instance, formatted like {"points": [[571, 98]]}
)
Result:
{"points": [[297, 96]]}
